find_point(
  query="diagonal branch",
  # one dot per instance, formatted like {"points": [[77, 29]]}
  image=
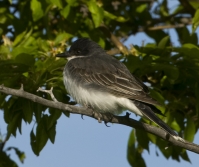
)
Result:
{"points": [[114, 39], [124, 120]]}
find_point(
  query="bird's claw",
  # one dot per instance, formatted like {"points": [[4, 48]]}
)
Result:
{"points": [[127, 114], [98, 116], [106, 124]]}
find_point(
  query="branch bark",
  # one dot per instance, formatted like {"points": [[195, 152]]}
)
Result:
{"points": [[124, 120]]}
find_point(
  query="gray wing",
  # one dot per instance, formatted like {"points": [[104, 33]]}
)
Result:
{"points": [[111, 75]]}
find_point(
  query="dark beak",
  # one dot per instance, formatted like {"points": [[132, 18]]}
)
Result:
{"points": [[63, 55]]}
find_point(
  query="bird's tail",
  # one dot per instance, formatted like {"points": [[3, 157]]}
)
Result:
{"points": [[147, 112]]}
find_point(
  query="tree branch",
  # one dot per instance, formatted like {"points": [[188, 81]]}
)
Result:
{"points": [[155, 28], [124, 120], [114, 39]]}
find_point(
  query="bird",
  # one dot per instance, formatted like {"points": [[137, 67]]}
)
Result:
{"points": [[97, 80]]}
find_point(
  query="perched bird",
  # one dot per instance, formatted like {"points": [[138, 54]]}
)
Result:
{"points": [[95, 79]]}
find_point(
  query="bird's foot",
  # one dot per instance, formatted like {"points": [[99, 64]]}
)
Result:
{"points": [[98, 116], [127, 115], [88, 107], [109, 116]]}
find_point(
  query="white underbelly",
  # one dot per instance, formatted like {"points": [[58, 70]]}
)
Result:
{"points": [[98, 100]]}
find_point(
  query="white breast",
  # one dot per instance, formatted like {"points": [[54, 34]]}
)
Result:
{"points": [[99, 101]]}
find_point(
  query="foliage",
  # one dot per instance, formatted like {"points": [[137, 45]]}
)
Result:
{"points": [[34, 31], [5, 159]]}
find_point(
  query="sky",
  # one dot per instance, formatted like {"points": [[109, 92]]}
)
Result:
{"points": [[88, 143]]}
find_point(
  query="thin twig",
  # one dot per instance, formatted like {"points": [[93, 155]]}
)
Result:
{"points": [[155, 28], [114, 39], [50, 92]]}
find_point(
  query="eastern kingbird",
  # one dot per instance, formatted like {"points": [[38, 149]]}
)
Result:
{"points": [[94, 78]]}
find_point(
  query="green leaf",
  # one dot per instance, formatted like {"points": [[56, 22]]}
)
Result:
{"points": [[195, 21], [96, 12], [171, 71], [161, 145], [26, 59], [27, 50], [164, 8], [21, 155], [134, 156], [185, 156], [174, 125], [142, 139], [5, 160], [39, 140], [4, 50], [27, 110], [189, 50], [62, 37], [55, 114], [41, 136], [58, 3], [51, 133], [14, 124], [19, 38], [33, 142], [65, 11], [66, 113], [152, 137], [3, 19], [190, 130], [109, 15], [164, 42], [141, 8], [71, 2], [2, 10], [37, 11], [177, 10], [114, 17], [194, 4], [24, 39], [131, 147], [157, 96]]}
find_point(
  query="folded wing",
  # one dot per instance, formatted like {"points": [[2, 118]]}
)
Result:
{"points": [[114, 77]]}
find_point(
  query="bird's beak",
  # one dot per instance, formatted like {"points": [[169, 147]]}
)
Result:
{"points": [[63, 55]]}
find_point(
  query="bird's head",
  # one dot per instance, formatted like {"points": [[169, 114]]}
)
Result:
{"points": [[81, 48]]}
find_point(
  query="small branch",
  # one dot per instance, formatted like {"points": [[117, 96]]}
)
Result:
{"points": [[114, 39], [50, 92], [124, 120], [21, 88], [113, 52], [155, 28]]}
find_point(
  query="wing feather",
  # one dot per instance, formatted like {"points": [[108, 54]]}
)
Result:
{"points": [[113, 77]]}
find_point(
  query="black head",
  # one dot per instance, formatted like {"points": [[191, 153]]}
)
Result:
{"points": [[82, 47]]}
